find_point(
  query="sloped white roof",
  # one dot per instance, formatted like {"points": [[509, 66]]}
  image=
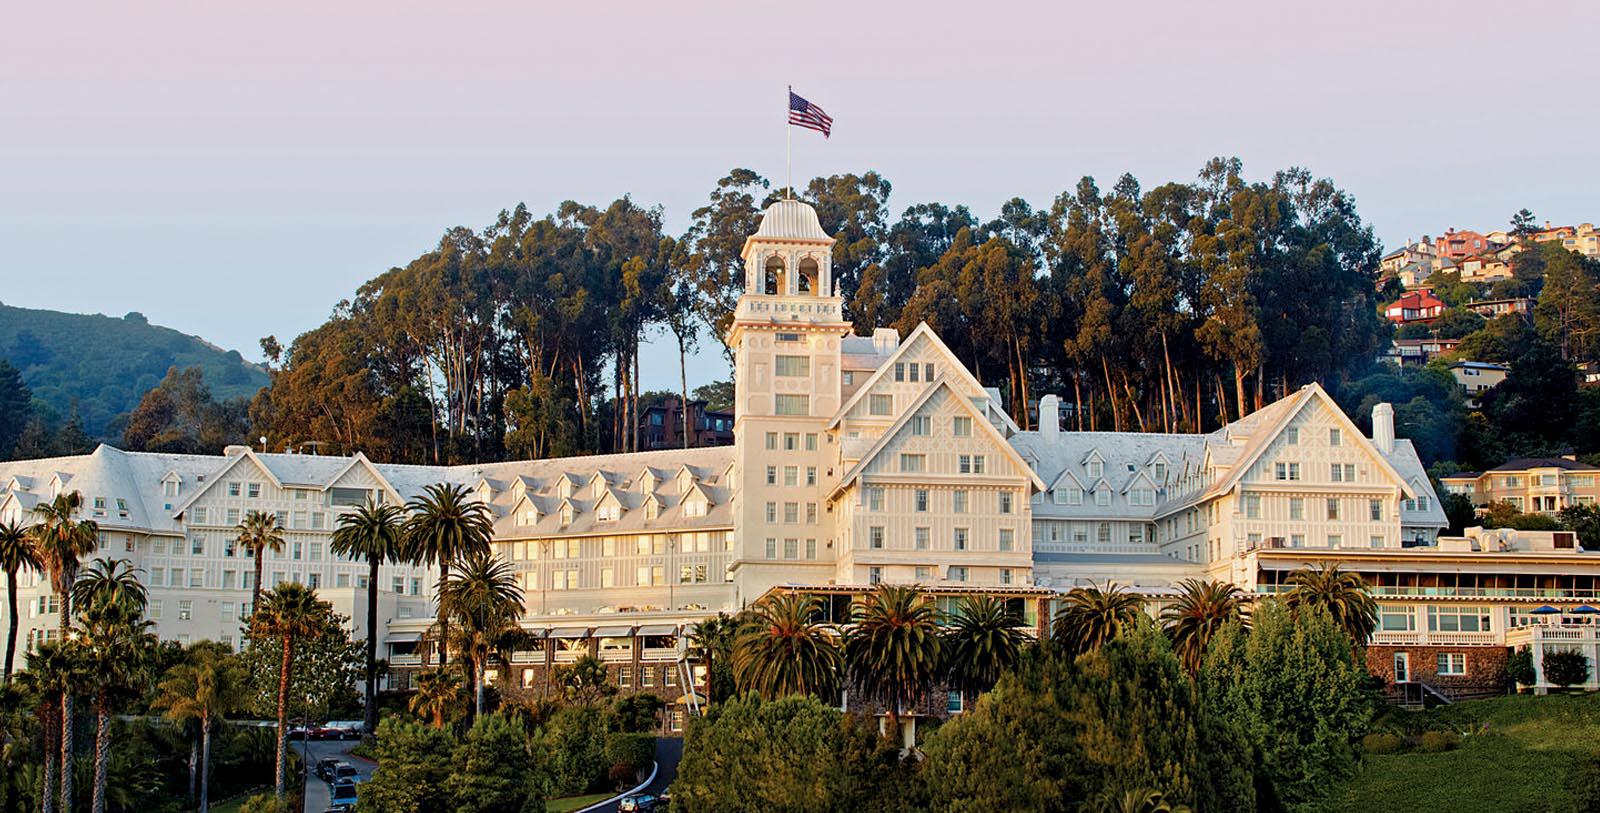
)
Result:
{"points": [[790, 220]]}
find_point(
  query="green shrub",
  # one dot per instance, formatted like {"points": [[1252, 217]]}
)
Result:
{"points": [[264, 803], [1584, 784], [1382, 743], [636, 751], [1519, 668], [1566, 668], [1434, 742]]}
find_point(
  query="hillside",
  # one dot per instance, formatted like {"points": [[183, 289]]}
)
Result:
{"points": [[107, 363]]}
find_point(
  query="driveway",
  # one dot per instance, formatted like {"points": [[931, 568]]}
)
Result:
{"points": [[317, 796], [669, 750]]}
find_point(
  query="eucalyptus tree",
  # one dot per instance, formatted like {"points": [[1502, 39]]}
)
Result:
{"points": [[375, 533], [446, 526], [290, 613], [893, 648], [782, 649], [17, 554], [258, 533]]}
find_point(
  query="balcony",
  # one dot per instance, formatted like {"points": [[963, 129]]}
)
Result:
{"points": [[1422, 638]]}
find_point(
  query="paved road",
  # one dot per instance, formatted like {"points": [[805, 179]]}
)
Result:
{"points": [[668, 752], [317, 797]]}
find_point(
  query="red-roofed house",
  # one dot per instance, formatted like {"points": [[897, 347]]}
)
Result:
{"points": [[1459, 245], [1415, 306]]}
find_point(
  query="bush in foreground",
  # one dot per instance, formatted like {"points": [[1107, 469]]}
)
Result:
{"points": [[1566, 668]]}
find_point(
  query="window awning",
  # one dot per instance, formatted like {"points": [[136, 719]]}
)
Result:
{"points": [[613, 632], [402, 637], [658, 629], [537, 633], [570, 632]]}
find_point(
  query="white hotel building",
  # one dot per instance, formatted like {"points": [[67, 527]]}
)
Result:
{"points": [[857, 460]]}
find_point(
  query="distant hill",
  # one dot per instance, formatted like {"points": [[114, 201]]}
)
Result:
{"points": [[107, 363]]}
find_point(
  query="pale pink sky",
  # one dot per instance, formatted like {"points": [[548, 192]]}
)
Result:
{"points": [[234, 170]]}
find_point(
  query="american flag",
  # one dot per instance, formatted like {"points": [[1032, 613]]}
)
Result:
{"points": [[805, 114]]}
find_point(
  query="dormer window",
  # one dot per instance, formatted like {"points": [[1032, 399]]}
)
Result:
{"points": [[169, 487], [1102, 496], [652, 509], [694, 508], [608, 513], [566, 515], [1096, 469], [528, 516]]}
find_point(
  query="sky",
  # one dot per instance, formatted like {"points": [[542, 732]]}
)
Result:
{"points": [[233, 170]]}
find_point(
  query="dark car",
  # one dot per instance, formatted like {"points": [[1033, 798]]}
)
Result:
{"points": [[638, 803], [343, 792], [325, 768]]}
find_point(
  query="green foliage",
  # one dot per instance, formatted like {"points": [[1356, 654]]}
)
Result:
{"points": [[576, 742], [105, 364], [266, 803], [1519, 668], [327, 667], [1584, 785], [1295, 691], [1434, 742], [1456, 323], [495, 771], [1584, 520], [636, 751], [1458, 510], [636, 713], [585, 681], [414, 763], [1090, 617], [783, 649], [1382, 742], [1506, 515], [1565, 668], [790, 754], [179, 416]]}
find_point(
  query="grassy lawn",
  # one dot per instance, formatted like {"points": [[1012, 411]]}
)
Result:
{"points": [[1516, 755], [574, 802]]}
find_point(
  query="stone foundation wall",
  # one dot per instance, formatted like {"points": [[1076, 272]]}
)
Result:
{"points": [[1486, 668]]}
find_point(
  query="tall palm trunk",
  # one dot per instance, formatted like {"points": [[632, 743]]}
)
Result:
{"points": [[205, 763], [66, 752], [255, 586], [369, 716], [283, 713], [444, 620], [11, 622], [102, 750], [52, 733]]}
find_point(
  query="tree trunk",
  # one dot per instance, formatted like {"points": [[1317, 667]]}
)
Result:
{"points": [[1133, 402], [1077, 399], [1111, 393], [194, 770], [1238, 388], [52, 734], [683, 384], [11, 623], [102, 752], [444, 622], [1167, 381], [284, 668], [205, 763], [369, 715], [66, 745], [255, 587]]}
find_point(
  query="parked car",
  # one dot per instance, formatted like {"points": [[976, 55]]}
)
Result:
{"points": [[345, 771], [325, 768], [638, 803], [343, 792]]}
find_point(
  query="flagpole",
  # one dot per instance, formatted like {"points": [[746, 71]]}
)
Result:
{"points": [[788, 147]]}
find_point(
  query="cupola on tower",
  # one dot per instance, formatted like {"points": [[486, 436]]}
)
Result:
{"points": [[786, 336]]}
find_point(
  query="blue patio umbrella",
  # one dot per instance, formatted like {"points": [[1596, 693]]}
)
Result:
{"points": [[1545, 610], [1585, 610]]}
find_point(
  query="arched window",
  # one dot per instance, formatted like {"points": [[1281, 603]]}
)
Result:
{"points": [[774, 282], [808, 276]]}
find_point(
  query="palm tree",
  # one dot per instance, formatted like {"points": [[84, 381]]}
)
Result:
{"points": [[53, 672], [1140, 800], [894, 648], [1201, 609], [438, 690], [484, 599], [375, 533], [60, 540], [446, 525], [1343, 594], [290, 613], [984, 638], [257, 533], [16, 554], [1091, 616], [709, 640], [781, 650], [205, 688], [117, 647]]}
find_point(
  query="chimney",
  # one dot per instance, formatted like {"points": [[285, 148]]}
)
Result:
{"points": [[1383, 427], [1049, 416], [885, 340], [235, 450]]}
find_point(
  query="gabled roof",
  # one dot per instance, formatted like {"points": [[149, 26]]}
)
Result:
{"points": [[1063, 478], [216, 478], [1267, 430], [922, 331], [883, 441]]}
